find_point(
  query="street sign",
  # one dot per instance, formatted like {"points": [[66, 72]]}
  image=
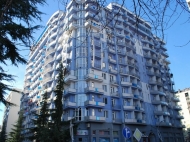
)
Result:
{"points": [[137, 134], [126, 132]]}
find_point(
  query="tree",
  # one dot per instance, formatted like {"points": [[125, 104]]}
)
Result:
{"points": [[60, 129], [3, 135], [41, 132], [57, 133], [15, 134], [16, 29]]}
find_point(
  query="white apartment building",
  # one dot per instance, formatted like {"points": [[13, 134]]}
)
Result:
{"points": [[184, 97]]}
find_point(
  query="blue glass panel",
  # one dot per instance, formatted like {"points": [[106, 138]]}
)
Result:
{"points": [[127, 37]]}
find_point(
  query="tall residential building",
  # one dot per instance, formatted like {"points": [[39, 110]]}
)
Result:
{"points": [[118, 76], [184, 103], [11, 113]]}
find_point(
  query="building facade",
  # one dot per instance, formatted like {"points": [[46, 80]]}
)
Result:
{"points": [[11, 113], [118, 76], [184, 103]]}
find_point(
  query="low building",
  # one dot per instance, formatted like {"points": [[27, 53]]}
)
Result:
{"points": [[11, 112]]}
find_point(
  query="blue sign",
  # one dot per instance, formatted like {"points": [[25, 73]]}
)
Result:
{"points": [[126, 132]]}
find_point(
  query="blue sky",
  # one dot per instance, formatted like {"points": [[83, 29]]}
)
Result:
{"points": [[177, 35]]}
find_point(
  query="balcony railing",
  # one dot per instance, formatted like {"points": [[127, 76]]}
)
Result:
{"points": [[95, 118], [135, 121], [94, 77]]}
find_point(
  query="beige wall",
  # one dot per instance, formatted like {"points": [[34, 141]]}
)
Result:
{"points": [[13, 97]]}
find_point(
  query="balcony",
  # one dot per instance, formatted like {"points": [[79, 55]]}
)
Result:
{"points": [[167, 61], [165, 54], [70, 104], [138, 108], [136, 85], [94, 77], [123, 62], [116, 107], [113, 82], [127, 95], [110, 41], [70, 78], [135, 121], [47, 79], [117, 121], [92, 25], [112, 60], [49, 51], [177, 107], [132, 64], [157, 102], [125, 83], [96, 65], [93, 16], [119, 26], [113, 71], [179, 117], [152, 91], [94, 90], [160, 112], [89, 7], [129, 46], [128, 107], [48, 69], [131, 55], [121, 43], [164, 124], [138, 97], [114, 94], [155, 82], [73, 26], [94, 119], [112, 50], [73, 17], [175, 99], [49, 60], [67, 118], [69, 91], [73, 9], [123, 72]]}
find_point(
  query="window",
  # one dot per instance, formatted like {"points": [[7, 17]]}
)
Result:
{"points": [[126, 115], [104, 75], [122, 79], [113, 115], [112, 89], [92, 97], [106, 114], [186, 94], [93, 112], [123, 90], [103, 65], [92, 84], [105, 100], [104, 87], [80, 139], [111, 77], [115, 133], [94, 132], [113, 102]]}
